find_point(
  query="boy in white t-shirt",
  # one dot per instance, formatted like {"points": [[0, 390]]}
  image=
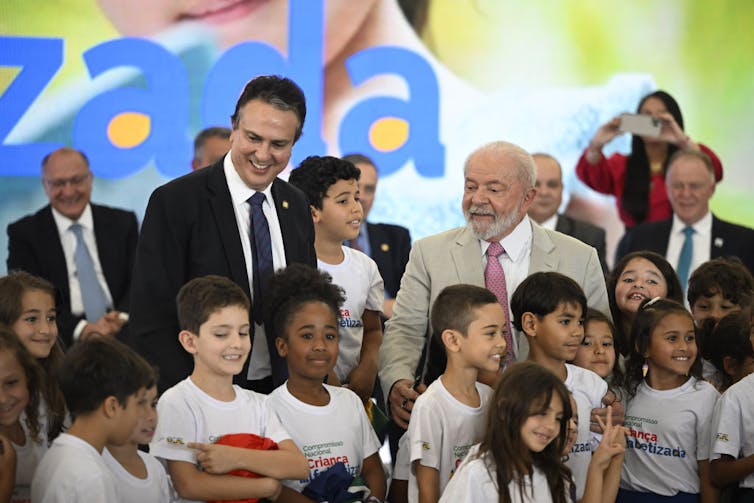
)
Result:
{"points": [[105, 387], [549, 308], [139, 477], [448, 418], [332, 187], [213, 313], [732, 447], [328, 423]]}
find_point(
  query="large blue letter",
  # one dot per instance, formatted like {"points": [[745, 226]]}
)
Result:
{"points": [[160, 92], [304, 66], [421, 111], [39, 59]]}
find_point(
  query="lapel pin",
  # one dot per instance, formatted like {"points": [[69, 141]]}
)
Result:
{"points": [[719, 242], [285, 204], [385, 247]]}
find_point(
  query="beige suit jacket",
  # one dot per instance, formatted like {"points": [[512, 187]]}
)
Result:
{"points": [[454, 257]]}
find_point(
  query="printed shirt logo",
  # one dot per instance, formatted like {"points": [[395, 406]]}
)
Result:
{"points": [[723, 437]]}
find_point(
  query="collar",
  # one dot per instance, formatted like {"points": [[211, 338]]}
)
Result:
{"points": [[239, 191], [703, 226], [64, 223], [551, 222], [515, 243]]}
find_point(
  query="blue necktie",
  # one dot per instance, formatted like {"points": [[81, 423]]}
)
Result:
{"points": [[95, 300], [261, 249], [684, 259]]}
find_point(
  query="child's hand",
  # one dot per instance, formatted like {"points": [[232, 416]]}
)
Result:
{"points": [[216, 459], [618, 413], [613, 442]]}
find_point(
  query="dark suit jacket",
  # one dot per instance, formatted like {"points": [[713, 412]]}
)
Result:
{"points": [[34, 246], [728, 239], [390, 245], [585, 232], [190, 230]]}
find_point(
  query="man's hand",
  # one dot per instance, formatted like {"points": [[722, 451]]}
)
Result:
{"points": [[217, 459], [616, 411], [107, 326], [402, 398]]}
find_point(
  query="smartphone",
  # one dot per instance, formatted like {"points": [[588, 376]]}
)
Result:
{"points": [[640, 124]]}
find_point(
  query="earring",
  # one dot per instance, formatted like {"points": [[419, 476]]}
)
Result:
{"points": [[644, 369]]}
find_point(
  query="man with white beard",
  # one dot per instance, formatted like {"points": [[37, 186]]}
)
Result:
{"points": [[499, 187]]}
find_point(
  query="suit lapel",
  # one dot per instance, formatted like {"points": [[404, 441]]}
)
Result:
{"points": [[58, 268], [287, 227], [466, 255], [717, 240], [105, 246], [564, 225], [542, 256], [225, 221]]}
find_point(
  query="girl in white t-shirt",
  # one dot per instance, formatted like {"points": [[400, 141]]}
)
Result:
{"points": [[21, 428], [519, 459], [328, 423], [668, 409], [138, 476], [597, 350]]}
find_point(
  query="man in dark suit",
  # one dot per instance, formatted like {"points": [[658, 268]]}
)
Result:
{"points": [[45, 244], [206, 222], [544, 209], [387, 244], [690, 183]]}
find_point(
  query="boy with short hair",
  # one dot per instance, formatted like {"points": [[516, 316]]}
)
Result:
{"points": [[448, 418], [331, 185], [105, 387], [549, 308], [213, 313], [718, 287]]}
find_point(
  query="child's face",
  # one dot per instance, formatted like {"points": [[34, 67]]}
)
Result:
{"points": [[543, 426], [597, 351], [14, 392], [639, 280], [341, 213], [573, 426], [559, 333], [672, 347], [715, 307], [739, 371], [311, 344], [146, 425], [483, 347], [223, 342], [36, 327], [137, 408]]}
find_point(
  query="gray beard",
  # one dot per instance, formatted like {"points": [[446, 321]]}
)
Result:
{"points": [[499, 226]]}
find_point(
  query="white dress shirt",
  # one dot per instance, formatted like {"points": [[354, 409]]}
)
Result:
{"points": [[259, 365], [68, 240], [515, 262], [701, 239]]}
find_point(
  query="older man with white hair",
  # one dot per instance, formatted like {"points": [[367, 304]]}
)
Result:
{"points": [[499, 242]]}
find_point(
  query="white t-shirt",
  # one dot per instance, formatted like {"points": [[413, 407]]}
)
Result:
{"points": [[669, 433], [155, 488], [442, 430], [28, 457], [359, 277], [337, 432], [72, 471], [402, 467], [474, 482], [732, 428], [588, 389], [188, 414]]}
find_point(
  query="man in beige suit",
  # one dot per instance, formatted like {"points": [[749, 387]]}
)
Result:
{"points": [[498, 190]]}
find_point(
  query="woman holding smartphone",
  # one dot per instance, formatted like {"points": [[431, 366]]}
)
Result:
{"points": [[638, 180]]}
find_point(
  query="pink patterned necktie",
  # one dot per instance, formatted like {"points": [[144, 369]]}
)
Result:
{"points": [[494, 281]]}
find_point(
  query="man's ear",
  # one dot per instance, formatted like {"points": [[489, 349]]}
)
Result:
{"points": [[529, 323], [282, 346], [451, 340], [187, 340], [316, 214]]}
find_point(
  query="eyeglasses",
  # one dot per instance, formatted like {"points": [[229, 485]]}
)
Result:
{"points": [[75, 181]]}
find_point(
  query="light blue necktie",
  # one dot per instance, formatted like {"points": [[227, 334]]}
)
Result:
{"points": [[684, 259], [95, 300]]}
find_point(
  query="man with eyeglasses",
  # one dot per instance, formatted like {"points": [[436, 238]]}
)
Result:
{"points": [[86, 250], [693, 235]]}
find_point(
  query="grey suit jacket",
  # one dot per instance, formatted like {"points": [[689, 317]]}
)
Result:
{"points": [[454, 257]]}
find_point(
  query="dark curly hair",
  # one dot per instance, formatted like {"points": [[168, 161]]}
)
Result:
{"points": [[729, 339], [294, 286], [727, 276], [316, 174]]}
